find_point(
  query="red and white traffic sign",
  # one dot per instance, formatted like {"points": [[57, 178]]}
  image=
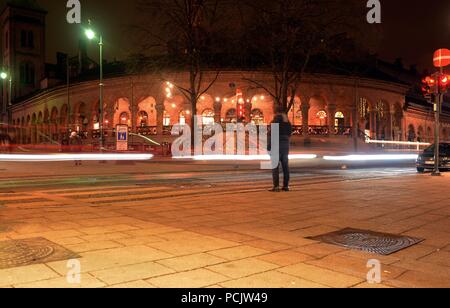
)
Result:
{"points": [[441, 58]]}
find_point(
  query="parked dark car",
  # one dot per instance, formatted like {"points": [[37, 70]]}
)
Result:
{"points": [[425, 160]]}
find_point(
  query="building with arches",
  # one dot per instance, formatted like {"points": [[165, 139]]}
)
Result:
{"points": [[381, 108], [326, 105]]}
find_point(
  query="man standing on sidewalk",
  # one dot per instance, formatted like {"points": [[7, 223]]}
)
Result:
{"points": [[285, 130]]}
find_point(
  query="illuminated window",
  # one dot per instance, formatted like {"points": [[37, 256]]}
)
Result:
{"points": [[322, 115], [339, 115], [166, 119], [339, 119], [96, 122], [257, 117], [143, 119], [208, 117], [124, 118], [182, 118]]}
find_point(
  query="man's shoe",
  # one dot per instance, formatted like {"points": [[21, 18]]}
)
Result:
{"points": [[286, 189], [275, 189]]}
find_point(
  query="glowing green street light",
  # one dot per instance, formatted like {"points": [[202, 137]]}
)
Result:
{"points": [[6, 76], [91, 35]]}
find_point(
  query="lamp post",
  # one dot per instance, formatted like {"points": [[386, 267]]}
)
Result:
{"points": [[5, 76], [91, 35]]}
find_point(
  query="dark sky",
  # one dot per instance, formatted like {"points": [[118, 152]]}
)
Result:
{"points": [[411, 29]]}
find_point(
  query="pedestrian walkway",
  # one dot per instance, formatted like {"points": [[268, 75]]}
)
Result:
{"points": [[231, 236]]}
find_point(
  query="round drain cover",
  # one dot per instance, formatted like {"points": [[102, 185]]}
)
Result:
{"points": [[15, 254]]}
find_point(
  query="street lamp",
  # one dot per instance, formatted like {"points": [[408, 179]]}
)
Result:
{"points": [[5, 76], [91, 35]]}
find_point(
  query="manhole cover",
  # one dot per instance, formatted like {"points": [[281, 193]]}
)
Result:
{"points": [[31, 251], [368, 241]]}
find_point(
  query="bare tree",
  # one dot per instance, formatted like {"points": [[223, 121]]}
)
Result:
{"points": [[181, 35], [288, 35]]}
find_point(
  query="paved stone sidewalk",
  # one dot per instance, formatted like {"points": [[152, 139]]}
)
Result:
{"points": [[143, 237]]}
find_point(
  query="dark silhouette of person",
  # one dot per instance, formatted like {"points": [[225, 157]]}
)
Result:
{"points": [[75, 144], [285, 133]]}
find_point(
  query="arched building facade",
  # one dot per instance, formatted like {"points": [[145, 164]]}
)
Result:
{"points": [[324, 105]]}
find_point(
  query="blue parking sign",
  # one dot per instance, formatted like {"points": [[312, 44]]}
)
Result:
{"points": [[122, 136]]}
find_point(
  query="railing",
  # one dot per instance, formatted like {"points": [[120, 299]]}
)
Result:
{"points": [[147, 130], [323, 131]]}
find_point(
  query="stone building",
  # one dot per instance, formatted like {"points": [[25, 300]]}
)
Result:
{"points": [[326, 105]]}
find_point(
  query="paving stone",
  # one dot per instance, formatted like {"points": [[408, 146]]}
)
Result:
{"points": [[242, 268], [239, 252], [131, 273], [139, 284], [191, 262], [285, 258], [272, 279], [87, 282], [110, 258], [322, 276], [93, 246], [26, 274], [199, 278]]}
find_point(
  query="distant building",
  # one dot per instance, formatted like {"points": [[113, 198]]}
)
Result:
{"points": [[382, 103]]}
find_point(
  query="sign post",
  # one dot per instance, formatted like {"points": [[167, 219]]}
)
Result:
{"points": [[439, 87], [122, 138]]}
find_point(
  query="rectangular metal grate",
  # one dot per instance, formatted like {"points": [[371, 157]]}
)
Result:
{"points": [[368, 241]]}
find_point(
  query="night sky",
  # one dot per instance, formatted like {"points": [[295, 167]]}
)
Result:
{"points": [[411, 29]]}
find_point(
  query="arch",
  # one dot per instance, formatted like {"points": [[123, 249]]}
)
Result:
{"points": [[122, 106], [147, 113], [81, 115], [339, 119], [173, 107], [411, 133], [125, 119], [205, 102], [257, 116], [382, 118], [318, 107], [64, 118], [295, 111], [40, 119], [265, 105], [231, 116], [420, 134], [143, 119]]}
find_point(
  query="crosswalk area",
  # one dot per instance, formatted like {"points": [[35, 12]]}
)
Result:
{"points": [[142, 189]]}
